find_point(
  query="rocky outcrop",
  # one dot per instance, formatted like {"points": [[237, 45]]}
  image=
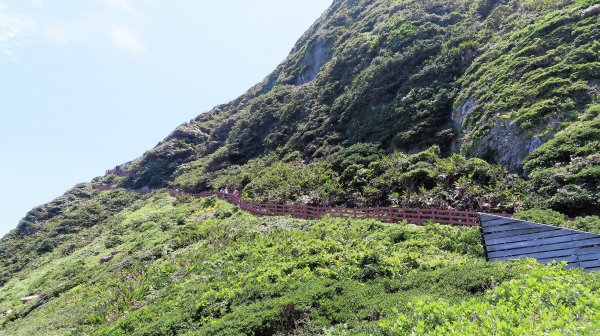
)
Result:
{"points": [[460, 114], [313, 60], [30, 298], [109, 257], [592, 10], [500, 141]]}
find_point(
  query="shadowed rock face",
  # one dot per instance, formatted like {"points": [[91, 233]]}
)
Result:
{"points": [[106, 259], [312, 62], [460, 114], [504, 143]]}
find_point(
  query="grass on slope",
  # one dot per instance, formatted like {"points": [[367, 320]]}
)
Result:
{"points": [[204, 267]]}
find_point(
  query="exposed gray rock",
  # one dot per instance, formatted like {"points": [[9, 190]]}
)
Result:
{"points": [[460, 114], [146, 190], [30, 298], [503, 139], [503, 142], [495, 139], [534, 144], [592, 10], [315, 57]]}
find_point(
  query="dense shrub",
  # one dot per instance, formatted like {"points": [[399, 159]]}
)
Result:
{"points": [[366, 111], [371, 178], [583, 223], [490, 79], [224, 272], [59, 224], [565, 171], [547, 300]]}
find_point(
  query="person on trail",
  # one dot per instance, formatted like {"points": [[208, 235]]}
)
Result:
{"points": [[226, 191], [236, 194]]}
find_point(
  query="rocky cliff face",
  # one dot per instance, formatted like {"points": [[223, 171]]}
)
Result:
{"points": [[530, 83], [489, 79]]}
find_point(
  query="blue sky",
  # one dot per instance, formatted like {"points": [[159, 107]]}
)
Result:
{"points": [[86, 85]]}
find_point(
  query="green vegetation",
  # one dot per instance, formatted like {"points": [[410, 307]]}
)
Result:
{"points": [[486, 105], [537, 79], [546, 301], [372, 178], [586, 223], [565, 171], [201, 267], [503, 81], [61, 226]]}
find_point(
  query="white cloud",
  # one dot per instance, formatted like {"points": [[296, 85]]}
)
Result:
{"points": [[127, 39], [65, 32], [92, 31], [38, 3], [94, 27], [15, 30], [121, 4]]}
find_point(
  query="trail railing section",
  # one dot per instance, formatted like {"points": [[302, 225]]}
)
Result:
{"points": [[384, 214], [503, 237]]}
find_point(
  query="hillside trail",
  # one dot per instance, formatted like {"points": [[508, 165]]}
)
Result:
{"points": [[502, 237]]}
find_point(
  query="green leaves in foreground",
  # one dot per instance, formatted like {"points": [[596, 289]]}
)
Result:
{"points": [[203, 267], [548, 301]]}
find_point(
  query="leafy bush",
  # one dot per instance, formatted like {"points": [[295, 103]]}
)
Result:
{"points": [[565, 171], [547, 300], [490, 79], [370, 178], [583, 223], [228, 273], [400, 85]]}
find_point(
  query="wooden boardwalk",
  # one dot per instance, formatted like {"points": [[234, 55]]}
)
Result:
{"points": [[507, 238]]}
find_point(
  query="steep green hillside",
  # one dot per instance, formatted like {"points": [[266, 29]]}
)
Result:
{"points": [[202, 267], [486, 105], [490, 79], [62, 226]]}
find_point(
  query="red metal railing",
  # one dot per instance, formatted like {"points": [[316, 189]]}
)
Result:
{"points": [[384, 214]]}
